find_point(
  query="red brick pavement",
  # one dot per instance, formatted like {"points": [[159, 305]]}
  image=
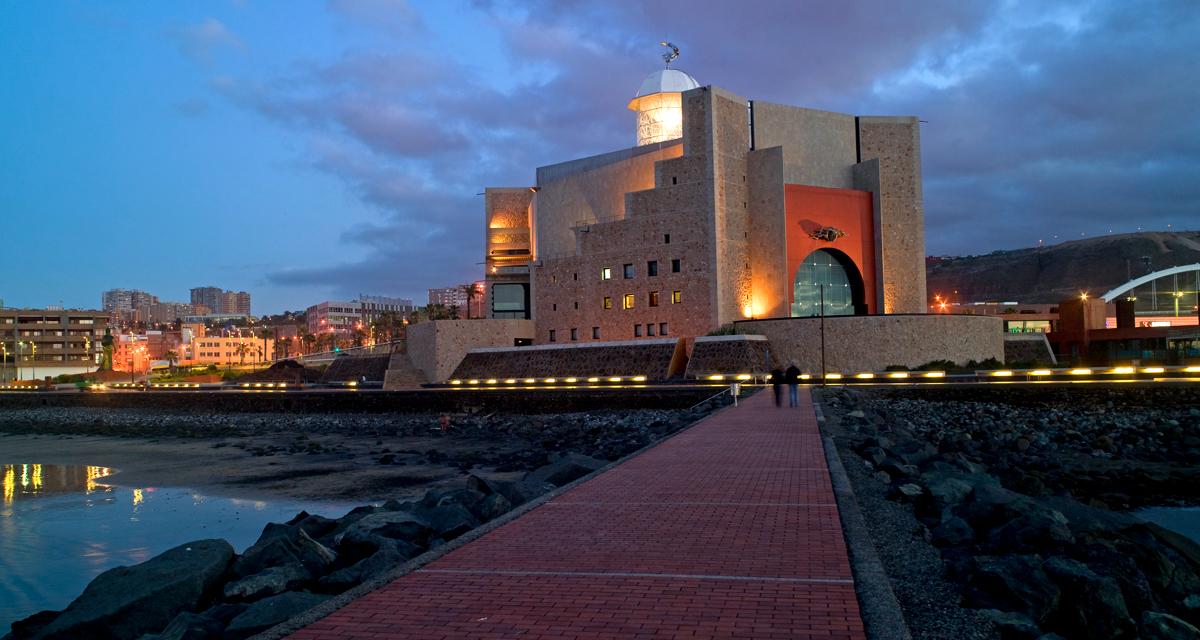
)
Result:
{"points": [[727, 530]]}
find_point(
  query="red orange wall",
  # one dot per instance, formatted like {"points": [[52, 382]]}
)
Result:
{"points": [[809, 209]]}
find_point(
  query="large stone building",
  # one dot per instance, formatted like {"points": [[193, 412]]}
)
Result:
{"points": [[728, 209]]}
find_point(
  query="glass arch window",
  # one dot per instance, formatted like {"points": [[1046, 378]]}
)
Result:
{"points": [[823, 268]]}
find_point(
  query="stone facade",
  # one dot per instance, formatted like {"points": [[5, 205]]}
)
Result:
{"points": [[724, 355], [654, 359], [855, 344], [438, 346], [1025, 348]]}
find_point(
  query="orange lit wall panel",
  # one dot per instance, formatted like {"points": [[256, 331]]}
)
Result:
{"points": [[811, 208]]}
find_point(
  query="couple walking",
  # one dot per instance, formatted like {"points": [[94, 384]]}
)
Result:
{"points": [[790, 377]]}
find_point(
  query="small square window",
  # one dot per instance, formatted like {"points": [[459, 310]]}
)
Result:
{"points": [[552, 336], [654, 298], [652, 268], [662, 328], [650, 329], [595, 333], [676, 297], [574, 334], [629, 301], [606, 273], [676, 266], [666, 238], [607, 302], [628, 269], [637, 330]]}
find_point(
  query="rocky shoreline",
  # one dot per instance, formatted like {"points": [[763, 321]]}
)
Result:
{"points": [[1009, 503], [203, 589]]}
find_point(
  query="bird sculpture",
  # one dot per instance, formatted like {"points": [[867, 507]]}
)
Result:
{"points": [[670, 56]]}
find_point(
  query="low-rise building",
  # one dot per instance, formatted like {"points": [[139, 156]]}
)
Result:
{"points": [[35, 343], [226, 351], [334, 316]]}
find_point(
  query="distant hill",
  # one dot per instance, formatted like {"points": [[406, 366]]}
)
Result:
{"points": [[1050, 274]]}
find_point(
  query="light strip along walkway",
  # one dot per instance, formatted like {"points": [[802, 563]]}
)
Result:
{"points": [[727, 530]]}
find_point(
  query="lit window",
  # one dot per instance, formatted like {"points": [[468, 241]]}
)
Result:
{"points": [[654, 298], [606, 273], [628, 269], [607, 302], [676, 297], [676, 267], [629, 301]]}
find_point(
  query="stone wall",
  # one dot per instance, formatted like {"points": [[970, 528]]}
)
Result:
{"points": [[437, 347], [1028, 348], [650, 358], [729, 355], [872, 343]]}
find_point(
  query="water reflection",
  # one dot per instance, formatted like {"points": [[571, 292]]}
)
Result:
{"points": [[25, 481], [60, 526]]}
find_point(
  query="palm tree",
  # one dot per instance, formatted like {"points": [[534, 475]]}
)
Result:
{"points": [[266, 333], [171, 357], [309, 340], [242, 349], [470, 291]]}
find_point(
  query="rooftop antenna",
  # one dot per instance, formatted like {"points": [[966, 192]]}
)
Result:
{"points": [[670, 55]]}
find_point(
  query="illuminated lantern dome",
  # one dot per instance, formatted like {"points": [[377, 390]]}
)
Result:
{"points": [[659, 105]]}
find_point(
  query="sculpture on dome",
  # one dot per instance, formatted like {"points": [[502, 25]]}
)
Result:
{"points": [[669, 56]]}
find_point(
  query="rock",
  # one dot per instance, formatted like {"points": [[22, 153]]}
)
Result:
{"points": [[1164, 626], [126, 602], [493, 507], [377, 563], [190, 626], [281, 544], [1038, 530], [449, 521], [946, 491], [912, 452], [897, 469], [1012, 626], [273, 580], [264, 614], [397, 525], [565, 468], [315, 526], [952, 532], [469, 499], [910, 491], [517, 493], [1090, 604], [1012, 583], [1192, 602]]}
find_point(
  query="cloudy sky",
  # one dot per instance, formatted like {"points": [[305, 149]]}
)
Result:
{"points": [[306, 150]]}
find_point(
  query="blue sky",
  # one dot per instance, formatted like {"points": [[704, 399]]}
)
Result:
{"points": [[307, 150]]}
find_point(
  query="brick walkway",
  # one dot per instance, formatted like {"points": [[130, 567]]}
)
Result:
{"points": [[728, 530]]}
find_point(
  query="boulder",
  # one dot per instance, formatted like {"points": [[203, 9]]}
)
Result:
{"points": [[1034, 531], [264, 614], [1164, 626], [952, 532], [281, 544], [566, 468], [1090, 604], [1012, 583], [273, 580], [377, 563], [1012, 626], [190, 626], [127, 602], [398, 525], [493, 507], [315, 526], [517, 493], [468, 499], [449, 521]]}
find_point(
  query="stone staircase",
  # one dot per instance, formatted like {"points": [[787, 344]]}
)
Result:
{"points": [[401, 374]]}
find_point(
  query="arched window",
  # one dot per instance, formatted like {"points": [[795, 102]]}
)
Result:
{"points": [[837, 275]]}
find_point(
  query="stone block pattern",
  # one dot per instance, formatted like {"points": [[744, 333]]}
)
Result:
{"points": [[647, 358], [728, 355], [855, 344], [349, 368], [437, 347], [727, 530], [1028, 347]]}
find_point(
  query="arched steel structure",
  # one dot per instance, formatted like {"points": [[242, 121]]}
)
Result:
{"points": [[1133, 284]]}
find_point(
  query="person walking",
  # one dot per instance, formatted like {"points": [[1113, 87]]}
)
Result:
{"points": [[792, 377], [777, 386]]}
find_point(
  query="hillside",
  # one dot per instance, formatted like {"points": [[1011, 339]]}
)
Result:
{"points": [[1049, 274]]}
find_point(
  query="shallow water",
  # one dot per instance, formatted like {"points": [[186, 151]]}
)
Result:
{"points": [[61, 526], [1182, 520]]}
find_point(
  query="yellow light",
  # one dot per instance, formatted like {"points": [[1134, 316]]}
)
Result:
{"points": [[833, 376], [472, 382], [615, 379], [748, 311], [1152, 370], [281, 385], [1123, 370], [1041, 372], [639, 378], [510, 381], [530, 381], [805, 376], [1083, 295], [1080, 372], [257, 384], [864, 376], [491, 381], [1192, 369], [571, 380], [716, 376], [550, 380], [593, 379], [456, 382], [744, 376], [1003, 373], [935, 374], [898, 374]]}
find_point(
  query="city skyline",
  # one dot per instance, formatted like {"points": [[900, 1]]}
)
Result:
{"points": [[181, 144]]}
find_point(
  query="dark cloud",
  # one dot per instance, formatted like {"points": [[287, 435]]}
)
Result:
{"points": [[1042, 119]]}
